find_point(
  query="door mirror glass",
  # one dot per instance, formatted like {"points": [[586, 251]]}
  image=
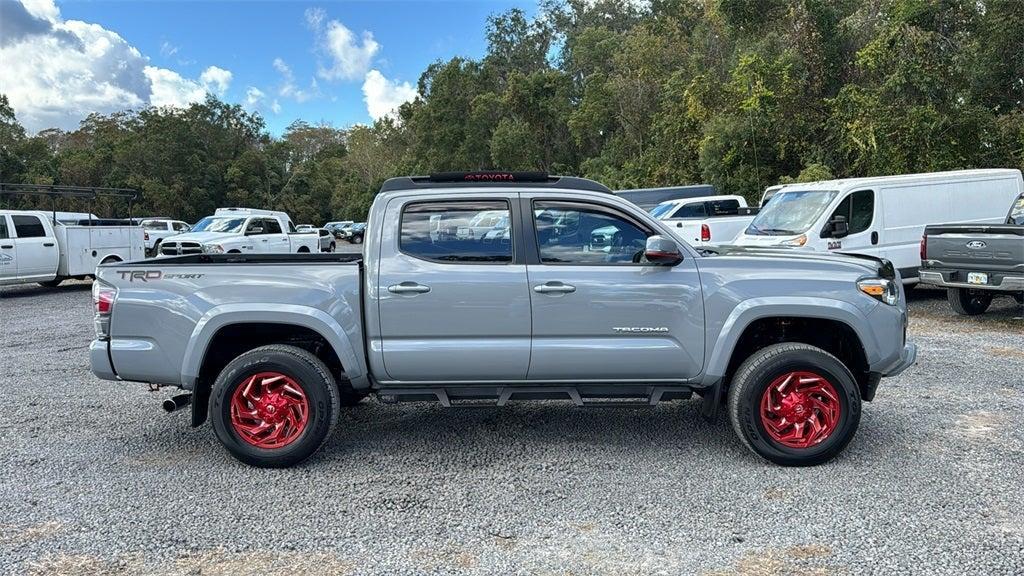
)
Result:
{"points": [[838, 227], [662, 251]]}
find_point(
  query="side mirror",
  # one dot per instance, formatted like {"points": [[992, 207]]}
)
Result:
{"points": [[662, 251], [254, 230], [838, 227]]}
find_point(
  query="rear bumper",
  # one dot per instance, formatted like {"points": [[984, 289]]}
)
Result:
{"points": [[99, 360], [957, 279]]}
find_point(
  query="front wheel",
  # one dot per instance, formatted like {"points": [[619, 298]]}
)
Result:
{"points": [[357, 240], [274, 406], [794, 404], [968, 302]]}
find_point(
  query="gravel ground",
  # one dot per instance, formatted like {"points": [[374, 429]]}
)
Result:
{"points": [[97, 480]]}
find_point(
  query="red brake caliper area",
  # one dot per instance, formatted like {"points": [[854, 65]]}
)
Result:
{"points": [[800, 409], [269, 410]]}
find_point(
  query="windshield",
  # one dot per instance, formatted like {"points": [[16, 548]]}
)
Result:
{"points": [[662, 209], [219, 224], [1017, 212], [154, 224], [791, 212]]}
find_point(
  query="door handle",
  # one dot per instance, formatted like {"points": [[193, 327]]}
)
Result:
{"points": [[48, 244], [264, 240], [8, 246], [554, 288], [874, 238], [408, 288]]}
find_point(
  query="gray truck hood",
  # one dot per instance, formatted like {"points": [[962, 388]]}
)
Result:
{"points": [[873, 264]]}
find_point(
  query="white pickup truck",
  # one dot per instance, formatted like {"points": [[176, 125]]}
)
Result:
{"points": [[242, 231], [159, 229], [37, 247], [706, 219]]}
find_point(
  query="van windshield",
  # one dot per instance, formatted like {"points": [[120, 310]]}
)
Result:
{"points": [[219, 224], [791, 212], [1016, 215]]}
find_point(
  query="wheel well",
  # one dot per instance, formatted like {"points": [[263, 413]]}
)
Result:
{"points": [[303, 249], [832, 336], [110, 259], [233, 340]]}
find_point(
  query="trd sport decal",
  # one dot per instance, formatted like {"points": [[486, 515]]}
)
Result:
{"points": [[147, 275]]}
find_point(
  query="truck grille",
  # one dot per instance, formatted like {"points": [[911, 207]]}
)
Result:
{"points": [[178, 248]]}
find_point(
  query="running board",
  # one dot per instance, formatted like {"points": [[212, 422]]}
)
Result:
{"points": [[498, 397]]}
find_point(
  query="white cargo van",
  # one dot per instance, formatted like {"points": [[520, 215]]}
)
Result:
{"points": [[882, 216], [36, 247]]}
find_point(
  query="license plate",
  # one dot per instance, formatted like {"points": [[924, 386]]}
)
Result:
{"points": [[977, 278]]}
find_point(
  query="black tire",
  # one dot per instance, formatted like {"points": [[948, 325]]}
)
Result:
{"points": [[755, 375], [1019, 297], [309, 372], [303, 250], [357, 239], [332, 247], [968, 302], [234, 251], [52, 283]]}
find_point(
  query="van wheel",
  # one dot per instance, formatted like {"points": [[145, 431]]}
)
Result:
{"points": [[794, 404], [274, 406], [968, 302], [52, 283]]}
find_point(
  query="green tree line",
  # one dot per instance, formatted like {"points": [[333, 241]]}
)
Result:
{"points": [[737, 93]]}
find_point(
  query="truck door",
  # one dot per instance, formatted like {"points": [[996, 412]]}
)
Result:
{"points": [[276, 238], [863, 226], [8, 252], [598, 312], [38, 254], [452, 306]]}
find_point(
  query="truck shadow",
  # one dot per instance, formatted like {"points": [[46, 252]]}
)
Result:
{"points": [[31, 290]]}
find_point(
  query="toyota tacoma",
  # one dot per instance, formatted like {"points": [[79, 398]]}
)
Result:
{"points": [[271, 347]]}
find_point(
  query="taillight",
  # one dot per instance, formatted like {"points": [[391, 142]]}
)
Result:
{"points": [[145, 236], [705, 233], [924, 247], [103, 298]]}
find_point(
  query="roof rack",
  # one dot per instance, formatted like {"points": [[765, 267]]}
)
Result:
{"points": [[89, 193], [498, 178]]}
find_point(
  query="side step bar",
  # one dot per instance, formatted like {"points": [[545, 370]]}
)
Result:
{"points": [[651, 397]]}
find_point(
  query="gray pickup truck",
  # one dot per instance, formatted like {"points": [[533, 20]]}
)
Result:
{"points": [[975, 262], [270, 347]]}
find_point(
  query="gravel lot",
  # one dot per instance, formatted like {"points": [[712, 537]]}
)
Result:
{"points": [[97, 480]]}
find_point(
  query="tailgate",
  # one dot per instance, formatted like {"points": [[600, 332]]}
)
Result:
{"points": [[998, 247]]}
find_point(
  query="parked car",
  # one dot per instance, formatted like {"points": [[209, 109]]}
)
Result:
{"points": [[354, 234], [976, 262], [305, 228], [34, 247], [337, 228], [648, 198], [706, 219], [882, 216], [155, 230], [791, 343], [338, 224], [241, 230], [327, 243]]}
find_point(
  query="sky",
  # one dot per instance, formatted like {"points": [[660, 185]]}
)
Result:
{"points": [[336, 62]]}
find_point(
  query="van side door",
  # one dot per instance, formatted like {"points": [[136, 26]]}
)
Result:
{"points": [[863, 222], [600, 312], [8, 251], [38, 254]]}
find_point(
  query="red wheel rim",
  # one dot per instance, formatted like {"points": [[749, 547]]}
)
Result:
{"points": [[269, 410], [800, 409]]}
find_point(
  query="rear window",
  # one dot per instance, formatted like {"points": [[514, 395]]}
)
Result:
{"points": [[28, 226], [154, 225], [692, 210], [3, 228], [456, 232]]}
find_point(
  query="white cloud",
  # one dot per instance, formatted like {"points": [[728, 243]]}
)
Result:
{"points": [[56, 72], [289, 89], [254, 96], [383, 96], [350, 56], [216, 80], [275, 107], [315, 17], [167, 49]]}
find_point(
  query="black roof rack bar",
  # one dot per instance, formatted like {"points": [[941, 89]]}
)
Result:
{"points": [[492, 178], [90, 192]]}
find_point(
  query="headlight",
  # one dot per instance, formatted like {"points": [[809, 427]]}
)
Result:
{"points": [[213, 248], [881, 290], [798, 241]]}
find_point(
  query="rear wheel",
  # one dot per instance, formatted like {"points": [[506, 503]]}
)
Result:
{"points": [[357, 240], [274, 406], [968, 302], [794, 404]]}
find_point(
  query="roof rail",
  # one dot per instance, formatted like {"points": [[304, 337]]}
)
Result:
{"points": [[90, 192], [499, 178]]}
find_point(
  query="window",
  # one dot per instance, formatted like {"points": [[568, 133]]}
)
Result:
{"points": [[452, 232], [692, 210], [573, 233], [180, 227], [3, 227], [859, 209], [271, 226], [154, 225], [723, 207], [1016, 215], [28, 226]]}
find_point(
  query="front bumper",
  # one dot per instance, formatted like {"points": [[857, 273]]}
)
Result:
{"points": [[951, 279], [99, 360], [907, 358]]}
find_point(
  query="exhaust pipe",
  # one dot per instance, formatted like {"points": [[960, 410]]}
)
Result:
{"points": [[176, 403]]}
